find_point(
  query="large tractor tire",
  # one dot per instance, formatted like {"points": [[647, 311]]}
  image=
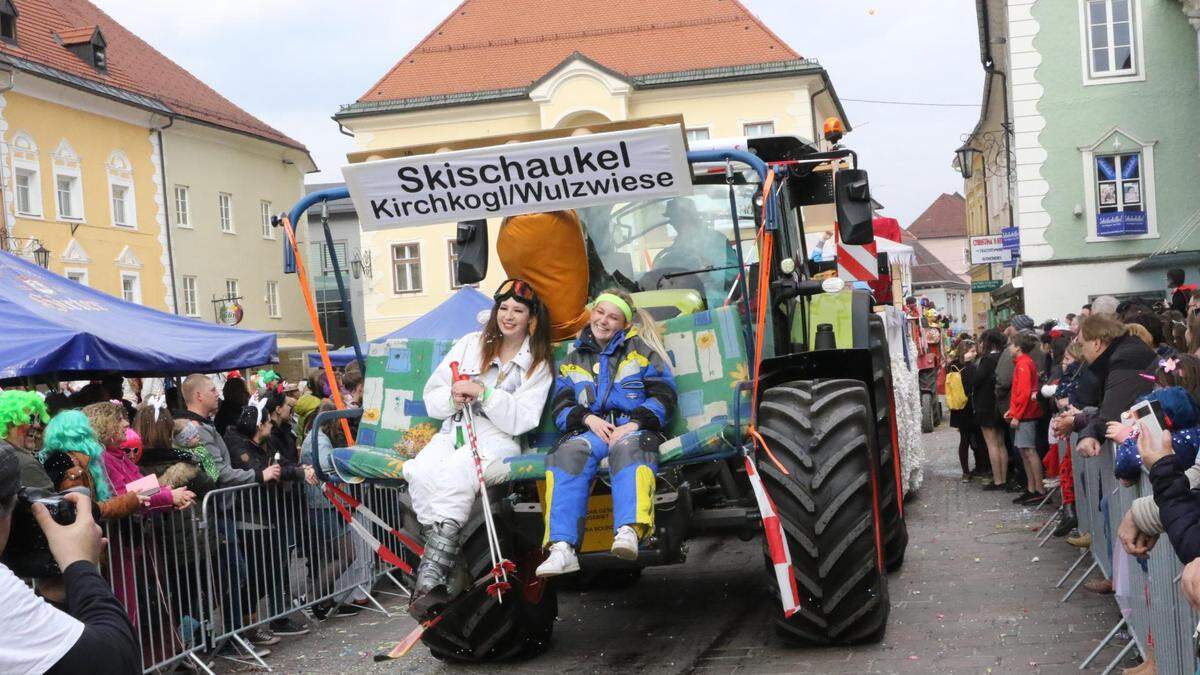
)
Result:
{"points": [[477, 627], [895, 532], [820, 431]]}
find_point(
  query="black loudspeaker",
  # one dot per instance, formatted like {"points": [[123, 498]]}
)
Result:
{"points": [[472, 239], [853, 201]]}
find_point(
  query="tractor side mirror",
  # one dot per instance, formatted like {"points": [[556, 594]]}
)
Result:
{"points": [[472, 239], [853, 201]]}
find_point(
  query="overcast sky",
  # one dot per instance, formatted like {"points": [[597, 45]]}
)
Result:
{"points": [[292, 62]]}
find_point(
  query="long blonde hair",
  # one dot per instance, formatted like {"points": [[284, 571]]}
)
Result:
{"points": [[647, 328]]}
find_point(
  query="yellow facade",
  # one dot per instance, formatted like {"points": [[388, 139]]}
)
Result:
{"points": [[576, 94], [977, 225], [95, 153]]}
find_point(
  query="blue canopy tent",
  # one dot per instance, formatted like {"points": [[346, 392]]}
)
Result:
{"points": [[450, 320], [53, 327]]}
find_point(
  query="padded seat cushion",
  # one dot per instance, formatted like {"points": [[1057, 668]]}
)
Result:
{"points": [[707, 352]]}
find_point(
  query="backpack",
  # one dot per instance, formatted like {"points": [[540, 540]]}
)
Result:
{"points": [[956, 396]]}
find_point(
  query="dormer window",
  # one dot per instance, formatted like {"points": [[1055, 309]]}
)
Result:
{"points": [[8, 22], [88, 44]]}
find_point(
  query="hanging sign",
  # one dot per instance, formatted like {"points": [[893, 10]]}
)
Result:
{"points": [[989, 249], [1012, 239], [504, 180]]}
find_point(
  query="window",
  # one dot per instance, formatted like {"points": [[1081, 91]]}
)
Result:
{"points": [[68, 197], [183, 216], [29, 198], [758, 129], [231, 289], [131, 287], [8, 22], [699, 134], [406, 268], [225, 212], [452, 259], [264, 213], [1110, 37], [1119, 183], [339, 249], [273, 299], [119, 212], [190, 306], [79, 276]]}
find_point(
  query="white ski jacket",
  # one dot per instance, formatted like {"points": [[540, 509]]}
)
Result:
{"points": [[512, 404]]}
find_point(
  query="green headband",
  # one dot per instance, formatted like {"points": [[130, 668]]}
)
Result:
{"points": [[616, 300]]}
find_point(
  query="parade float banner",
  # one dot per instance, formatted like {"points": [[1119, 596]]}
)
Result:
{"points": [[505, 180]]}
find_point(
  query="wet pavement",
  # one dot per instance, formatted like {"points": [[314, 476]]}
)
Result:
{"points": [[975, 595]]}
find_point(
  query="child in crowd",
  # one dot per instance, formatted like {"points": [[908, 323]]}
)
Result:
{"points": [[1023, 413]]}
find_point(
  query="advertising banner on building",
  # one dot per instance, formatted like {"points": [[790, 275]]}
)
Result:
{"points": [[504, 180], [989, 249]]}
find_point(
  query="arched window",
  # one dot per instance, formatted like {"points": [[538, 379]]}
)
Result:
{"points": [[122, 205], [27, 175], [68, 183]]}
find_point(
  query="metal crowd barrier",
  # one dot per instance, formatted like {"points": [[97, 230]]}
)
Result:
{"points": [[195, 580], [1154, 613]]}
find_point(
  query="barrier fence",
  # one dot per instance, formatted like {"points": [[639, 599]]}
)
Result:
{"points": [[1153, 611], [193, 581]]}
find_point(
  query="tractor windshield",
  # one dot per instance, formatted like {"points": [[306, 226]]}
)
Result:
{"points": [[682, 242]]}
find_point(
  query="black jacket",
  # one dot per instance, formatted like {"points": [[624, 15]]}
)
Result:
{"points": [[244, 453], [1118, 373], [1179, 508], [983, 393]]}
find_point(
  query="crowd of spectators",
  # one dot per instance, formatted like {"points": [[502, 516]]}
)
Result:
{"points": [[149, 455], [1028, 398]]}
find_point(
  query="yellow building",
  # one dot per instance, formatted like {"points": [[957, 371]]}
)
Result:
{"points": [[79, 179], [140, 180], [498, 67]]}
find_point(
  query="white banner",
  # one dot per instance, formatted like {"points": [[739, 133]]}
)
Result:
{"points": [[989, 249], [504, 180]]}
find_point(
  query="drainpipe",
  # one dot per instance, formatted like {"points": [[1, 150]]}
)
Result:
{"points": [[162, 173], [4, 233], [812, 111]]}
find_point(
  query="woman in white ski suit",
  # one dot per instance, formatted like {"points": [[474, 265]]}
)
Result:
{"points": [[507, 394]]}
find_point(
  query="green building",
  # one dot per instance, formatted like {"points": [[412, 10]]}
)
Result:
{"points": [[1100, 125]]}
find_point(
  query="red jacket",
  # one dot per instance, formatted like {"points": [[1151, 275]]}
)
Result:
{"points": [[1021, 403]]}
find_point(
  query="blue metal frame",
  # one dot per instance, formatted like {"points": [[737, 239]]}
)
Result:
{"points": [[694, 157]]}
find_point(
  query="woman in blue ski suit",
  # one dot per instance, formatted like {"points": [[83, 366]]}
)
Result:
{"points": [[613, 398]]}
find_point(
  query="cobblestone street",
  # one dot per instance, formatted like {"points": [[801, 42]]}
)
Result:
{"points": [[975, 595]]}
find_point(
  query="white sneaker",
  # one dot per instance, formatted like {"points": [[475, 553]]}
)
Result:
{"points": [[562, 560], [625, 543]]}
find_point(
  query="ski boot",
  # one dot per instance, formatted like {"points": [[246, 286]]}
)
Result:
{"points": [[432, 588]]}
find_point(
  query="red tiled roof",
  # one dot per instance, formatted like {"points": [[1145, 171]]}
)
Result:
{"points": [[945, 217], [77, 35], [487, 45], [132, 65], [927, 270]]}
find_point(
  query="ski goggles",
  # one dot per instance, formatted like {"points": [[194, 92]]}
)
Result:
{"points": [[518, 290]]}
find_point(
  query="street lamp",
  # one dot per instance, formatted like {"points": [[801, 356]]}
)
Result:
{"points": [[966, 161], [41, 255]]}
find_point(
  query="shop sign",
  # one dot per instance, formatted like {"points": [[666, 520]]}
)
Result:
{"points": [[989, 249], [1012, 239], [1121, 223], [986, 285]]}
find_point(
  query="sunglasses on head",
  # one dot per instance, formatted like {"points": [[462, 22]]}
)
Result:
{"points": [[517, 289]]}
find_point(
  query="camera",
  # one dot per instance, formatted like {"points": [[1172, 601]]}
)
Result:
{"points": [[28, 552]]}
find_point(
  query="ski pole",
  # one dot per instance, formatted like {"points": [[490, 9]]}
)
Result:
{"points": [[500, 566]]}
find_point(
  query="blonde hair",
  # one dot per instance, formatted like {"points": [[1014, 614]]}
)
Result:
{"points": [[1075, 350], [105, 418], [1139, 331], [647, 327]]}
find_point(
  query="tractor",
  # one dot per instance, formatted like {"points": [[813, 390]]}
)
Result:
{"points": [[785, 389]]}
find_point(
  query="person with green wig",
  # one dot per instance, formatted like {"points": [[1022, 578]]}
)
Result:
{"points": [[20, 412]]}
